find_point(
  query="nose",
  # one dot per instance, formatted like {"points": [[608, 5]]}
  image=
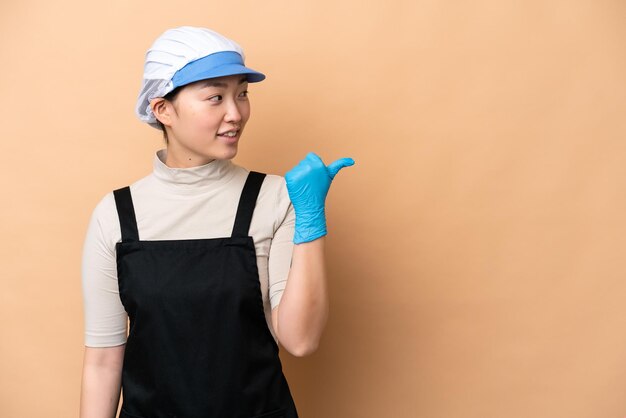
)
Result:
{"points": [[233, 114]]}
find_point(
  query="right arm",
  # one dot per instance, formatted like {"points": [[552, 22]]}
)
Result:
{"points": [[104, 315], [101, 381]]}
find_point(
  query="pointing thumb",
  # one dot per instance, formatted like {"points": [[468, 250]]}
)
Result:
{"points": [[335, 166]]}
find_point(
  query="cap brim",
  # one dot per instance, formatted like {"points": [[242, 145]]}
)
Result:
{"points": [[221, 71]]}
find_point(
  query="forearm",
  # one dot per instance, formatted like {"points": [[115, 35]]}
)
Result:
{"points": [[303, 310], [100, 390]]}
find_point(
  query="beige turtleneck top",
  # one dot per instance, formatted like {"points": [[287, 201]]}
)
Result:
{"points": [[183, 203]]}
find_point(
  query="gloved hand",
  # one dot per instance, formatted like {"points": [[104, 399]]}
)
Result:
{"points": [[308, 184]]}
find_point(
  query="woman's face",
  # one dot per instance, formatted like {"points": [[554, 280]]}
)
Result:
{"points": [[203, 111]]}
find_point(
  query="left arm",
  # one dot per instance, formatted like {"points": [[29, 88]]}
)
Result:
{"points": [[303, 312], [301, 316]]}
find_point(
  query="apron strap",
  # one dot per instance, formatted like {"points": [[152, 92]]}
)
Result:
{"points": [[126, 213], [243, 218], [247, 202]]}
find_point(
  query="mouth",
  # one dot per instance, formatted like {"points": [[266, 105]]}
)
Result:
{"points": [[233, 133]]}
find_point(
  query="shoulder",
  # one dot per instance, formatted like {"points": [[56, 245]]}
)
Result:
{"points": [[277, 188], [274, 186], [105, 207], [104, 215], [276, 183], [104, 221], [274, 196]]}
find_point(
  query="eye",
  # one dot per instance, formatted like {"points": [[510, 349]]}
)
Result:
{"points": [[211, 98], [245, 93]]}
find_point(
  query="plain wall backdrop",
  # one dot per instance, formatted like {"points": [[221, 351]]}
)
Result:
{"points": [[475, 250]]}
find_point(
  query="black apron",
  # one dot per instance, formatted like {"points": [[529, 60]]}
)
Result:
{"points": [[198, 345]]}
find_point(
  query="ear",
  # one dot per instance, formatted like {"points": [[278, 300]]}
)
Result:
{"points": [[161, 110]]}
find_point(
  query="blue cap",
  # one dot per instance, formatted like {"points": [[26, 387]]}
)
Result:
{"points": [[218, 64]]}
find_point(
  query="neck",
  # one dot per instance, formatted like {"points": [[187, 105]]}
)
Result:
{"points": [[191, 180]]}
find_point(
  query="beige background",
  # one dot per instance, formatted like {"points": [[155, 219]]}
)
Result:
{"points": [[476, 249]]}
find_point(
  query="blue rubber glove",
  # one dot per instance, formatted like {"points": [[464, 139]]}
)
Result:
{"points": [[308, 184]]}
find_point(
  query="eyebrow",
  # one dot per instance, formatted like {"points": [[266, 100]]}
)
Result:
{"points": [[213, 83]]}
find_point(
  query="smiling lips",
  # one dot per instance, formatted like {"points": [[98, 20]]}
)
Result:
{"points": [[230, 134], [231, 137]]}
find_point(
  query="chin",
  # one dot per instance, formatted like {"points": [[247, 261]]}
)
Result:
{"points": [[229, 153]]}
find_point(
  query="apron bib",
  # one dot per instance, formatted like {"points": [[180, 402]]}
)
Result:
{"points": [[198, 345]]}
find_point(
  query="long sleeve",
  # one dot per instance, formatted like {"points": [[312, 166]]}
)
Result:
{"points": [[104, 315], [281, 247]]}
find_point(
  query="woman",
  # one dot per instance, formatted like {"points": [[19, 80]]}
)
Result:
{"points": [[197, 254]]}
